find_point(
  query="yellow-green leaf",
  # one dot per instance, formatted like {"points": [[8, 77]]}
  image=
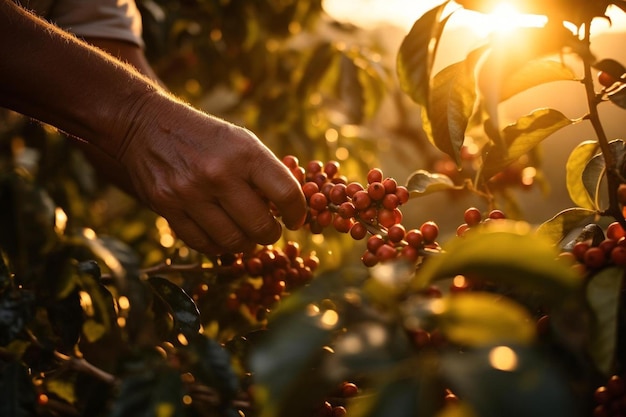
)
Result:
{"points": [[506, 252], [422, 182], [534, 73], [574, 168], [564, 222]]}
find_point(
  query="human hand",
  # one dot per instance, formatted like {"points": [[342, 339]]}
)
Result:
{"points": [[213, 181]]}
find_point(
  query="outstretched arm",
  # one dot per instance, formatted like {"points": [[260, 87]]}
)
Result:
{"points": [[210, 179]]}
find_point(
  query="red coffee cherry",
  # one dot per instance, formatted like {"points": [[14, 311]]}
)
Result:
{"points": [[396, 233], [386, 253], [361, 200], [349, 389], [376, 191], [472, 216], [605, 79], [430, 231], [414, 238], [409, 253], [615, 231], [618, 255], [369, 259], [342, 225], [346, 210], [374, 175], [579, 250], [331, 168], [594, 258], [324, 218], [352, 188], [375, 242], [621, 194], [403, 194], [391, 185], [496, 214], [291, 162], [462, 229], [386, 217], [313, 167], [309, 188], [358, 231], [337, 194], [391, 201], [318, 201]]}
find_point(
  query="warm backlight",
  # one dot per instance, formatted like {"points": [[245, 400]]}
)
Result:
{"points": [[504, 18]]}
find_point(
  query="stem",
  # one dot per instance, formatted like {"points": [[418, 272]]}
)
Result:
{"points": [[612, 173]]}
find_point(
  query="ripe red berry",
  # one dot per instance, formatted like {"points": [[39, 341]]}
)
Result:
{"points": [[496, 214], [352, 188], [396, 233], [311, 261], [291, 162], [324, 218], [292, 249], [342, 225], [369, 214], [621, 194], [309, 188], [391, 201], [313, 167], [369, 259], [391, 185], [318, 201], [430, 231], [386, 217], [331, 168], [414, 238], [374, 175], [346, 210], [409, 253], [339, 411], [349, 389], [605, 79], [254, 266], [403, 194], [615, 386], [361, 200], [472, 216], [462, 229], [337, 194], [607, 246], [579, 250], [615, 231], [375, 242], [386, 253], [358, 231], [376, 191], [618, 255], [594, 258]]}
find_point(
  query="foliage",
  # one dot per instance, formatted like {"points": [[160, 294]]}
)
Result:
{"points": [[105, 313]]}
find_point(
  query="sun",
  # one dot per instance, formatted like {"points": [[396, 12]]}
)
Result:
{"points": [[502, 19]]}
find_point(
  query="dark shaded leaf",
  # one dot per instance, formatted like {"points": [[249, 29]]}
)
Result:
{"points": [[17, 396], [514, 381], [181, 306], [15, 312], [350, 90], [603, 295], [417, 53], [611, 67], [316, 68], [618, 95]]}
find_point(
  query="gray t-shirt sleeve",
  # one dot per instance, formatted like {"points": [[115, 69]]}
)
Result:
{"points": [[108, 19]]}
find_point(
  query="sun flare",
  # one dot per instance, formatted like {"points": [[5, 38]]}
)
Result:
{"points": [[502, 19]]}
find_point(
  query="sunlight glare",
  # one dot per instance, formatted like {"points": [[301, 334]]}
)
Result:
{"points": [[503, 19]]}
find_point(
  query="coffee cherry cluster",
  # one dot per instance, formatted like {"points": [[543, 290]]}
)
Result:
{"points": [[594, 254], [474, 217], [361, 210], [336, 405], [610, 398], [273, 272]]}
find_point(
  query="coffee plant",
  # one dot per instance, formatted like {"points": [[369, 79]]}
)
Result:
{"points": [[105, 312]]}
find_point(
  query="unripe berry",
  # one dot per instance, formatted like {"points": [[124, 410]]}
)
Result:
{"points": [[472, 216], [430, 231], [376, 191], [358, 231], [374, 175], [396, 233]]}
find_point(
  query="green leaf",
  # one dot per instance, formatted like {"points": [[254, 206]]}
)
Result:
{"points": [[482, 319], [503, 252], [508, 381], [603, 295], [181, 305], [451, 104], [559, 226], [417, 52], [522, 136], [574, 169], [17, 395], [422, 182], [595, 170], [532, 74]]}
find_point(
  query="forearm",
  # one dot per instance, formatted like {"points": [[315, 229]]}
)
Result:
{"points": [[53, 77]]}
